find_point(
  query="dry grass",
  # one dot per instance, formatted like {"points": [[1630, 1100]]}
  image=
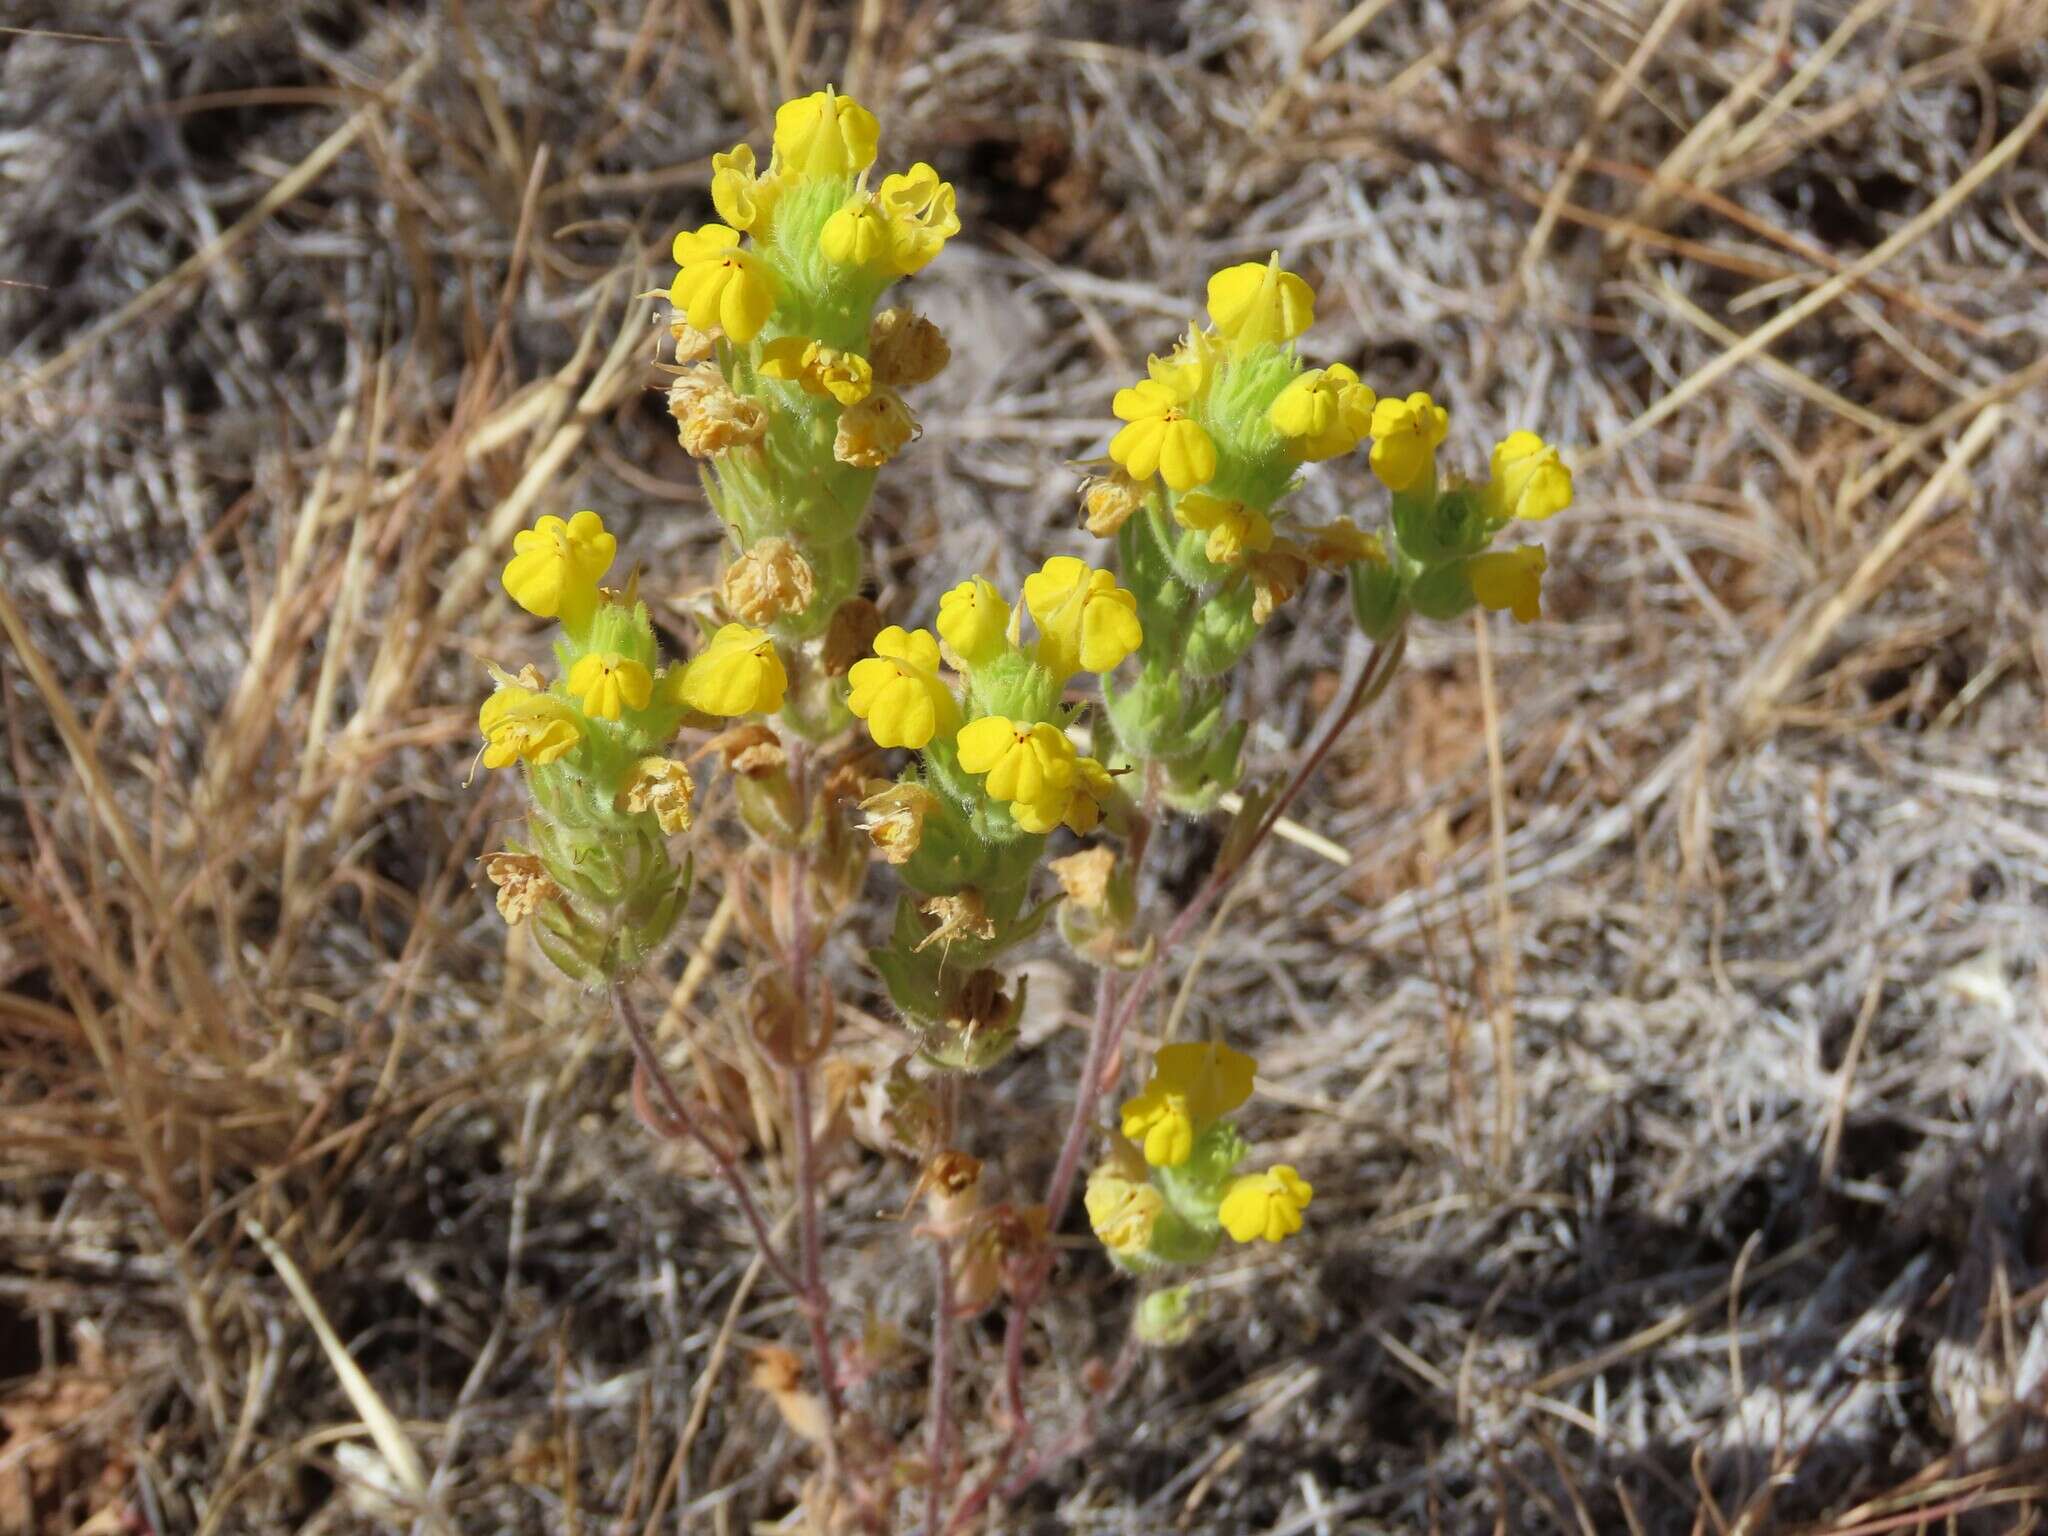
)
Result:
{"points": [[1669, 1056]]}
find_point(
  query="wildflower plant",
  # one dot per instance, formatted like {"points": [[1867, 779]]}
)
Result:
{"points": [[1213, 443], [1085, 704]]}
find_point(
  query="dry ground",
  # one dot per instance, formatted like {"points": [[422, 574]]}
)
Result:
{"points": [[1740, 859]]}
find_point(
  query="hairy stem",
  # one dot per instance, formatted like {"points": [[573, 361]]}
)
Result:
{"points": [[679, 1115], [939, 1481], [816, 1299]]}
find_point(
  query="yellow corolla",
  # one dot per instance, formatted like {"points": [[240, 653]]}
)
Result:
{"points": [[556, 566], [1257, 303], [1530, 481], [1160, 437], [519, 723], [898, 691], [1406, 435], [609, 684], [1086, 622], [738, 673], [1265, 1207], [720, 284], [1022, 759]]}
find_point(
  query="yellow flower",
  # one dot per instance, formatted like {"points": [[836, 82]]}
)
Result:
{"points": [[1510, 580], [1079, 805], [921, 218], [857, 234], [720, 284], [1187, 369], [974, 621], [742, 199], [1257, 303], [1211, 1077], [1159, 1122], [1122, 1210], [556, 566], [1406, 435], [1232, 526], [1192, 1085], [1024, 760], [661, 786], [1323, 412], [609, 684], [820, 369], [520, 723], [871, 433], [1265, 1205], [1160, 438], [1086, 622], [825, 134], [898, 692], [1530, 481], [738, 673]]}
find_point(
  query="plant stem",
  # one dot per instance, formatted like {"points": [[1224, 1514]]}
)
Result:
{"points": [[939, 1481], [1370, 683], [816, 1299], [650, 1067], [1082, 1120]]}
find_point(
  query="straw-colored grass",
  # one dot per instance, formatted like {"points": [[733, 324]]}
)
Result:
{"points": [[1656, 996]]}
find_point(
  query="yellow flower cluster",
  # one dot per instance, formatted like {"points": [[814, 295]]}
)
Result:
{"points": [[819, 139], [1223, 419], [781, 289], [1174, 1177], [554, 573], [1085, 622]]}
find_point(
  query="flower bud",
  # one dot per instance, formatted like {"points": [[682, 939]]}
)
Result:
{"points": [[770, 581], [906, 349], [1166, 1318], [710, 416]]}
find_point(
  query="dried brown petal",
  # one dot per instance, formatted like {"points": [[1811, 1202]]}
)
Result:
{"points": [[523, 883], [770, 581]]}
